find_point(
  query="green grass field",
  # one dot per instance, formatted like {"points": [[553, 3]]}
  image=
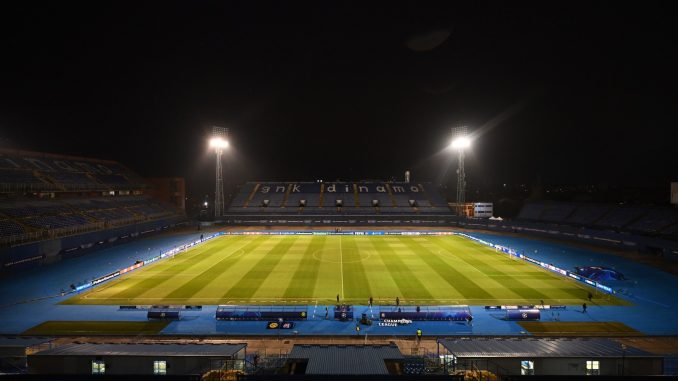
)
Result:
{"points": [[431, 270]]}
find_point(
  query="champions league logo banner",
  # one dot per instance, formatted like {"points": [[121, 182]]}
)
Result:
{"points": [[277, 325]]}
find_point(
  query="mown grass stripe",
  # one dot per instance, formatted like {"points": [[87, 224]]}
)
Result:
{"points": [[356, 283], [484, 261], [306, 273], [409, 286], [382, 284], [197, 283], [282, 274], [468, 288], [134, 287], [259, 271]]}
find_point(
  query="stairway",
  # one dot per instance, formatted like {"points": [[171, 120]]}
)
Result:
{"points": [[251, 196]]}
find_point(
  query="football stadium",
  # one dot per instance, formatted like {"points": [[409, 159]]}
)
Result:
{"points": [[310, 198]]}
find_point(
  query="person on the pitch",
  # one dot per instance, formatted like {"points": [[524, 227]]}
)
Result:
{"points": [[397, 301]]}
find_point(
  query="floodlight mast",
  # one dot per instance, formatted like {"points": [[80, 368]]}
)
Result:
{"points": [[219, 142], [460, 142]]}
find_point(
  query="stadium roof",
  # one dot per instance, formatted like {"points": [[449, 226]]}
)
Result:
{"points": [[539, 347], [346, 359], [169, 350]]}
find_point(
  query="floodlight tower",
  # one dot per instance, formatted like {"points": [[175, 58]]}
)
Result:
{"points": [[460, 142], [219, 142]]}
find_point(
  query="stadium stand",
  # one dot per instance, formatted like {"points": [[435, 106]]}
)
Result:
{"points": [[340, 198], [587, 214], [56, 199], [630, 226], [33, 171], [620, 217], [655, 221], [531, 211], [623, 218]]}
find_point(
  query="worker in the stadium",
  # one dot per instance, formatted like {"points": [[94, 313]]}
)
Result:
{"points": [[357, 329], [419, 333]]}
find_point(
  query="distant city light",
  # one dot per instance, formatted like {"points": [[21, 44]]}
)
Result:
{"points": [[461, 142], [218, 143]]}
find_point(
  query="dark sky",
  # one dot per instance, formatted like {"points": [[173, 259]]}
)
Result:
{"points": [[581, 92]]}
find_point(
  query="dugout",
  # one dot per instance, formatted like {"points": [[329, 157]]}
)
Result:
{"points": [[546, 357], [143, 359]]}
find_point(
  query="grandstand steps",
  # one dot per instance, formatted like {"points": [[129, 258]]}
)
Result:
{"points": [[355, 195], [27, 228], [601, 217], [92, 178], [40, 177], [287, 195], [390, 194], [430, 200], [51, 180], [322, 195], [634, 220], [251, 196], [568, 215]]}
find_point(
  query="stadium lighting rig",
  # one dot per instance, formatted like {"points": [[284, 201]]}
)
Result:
{"points": [[219, 142], [460, 142]]}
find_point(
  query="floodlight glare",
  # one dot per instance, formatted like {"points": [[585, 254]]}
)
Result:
{"points": [[218, 143], [461, 142]]}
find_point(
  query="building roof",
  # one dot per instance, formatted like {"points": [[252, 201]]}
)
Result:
{"points": [[22, 341], [346, 359], [539, 347], [168, 350]]}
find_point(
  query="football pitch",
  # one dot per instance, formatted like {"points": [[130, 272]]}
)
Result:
{"points": [[307, 269]]}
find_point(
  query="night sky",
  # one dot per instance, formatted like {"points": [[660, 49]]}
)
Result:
{"points": [[585, 92]]}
